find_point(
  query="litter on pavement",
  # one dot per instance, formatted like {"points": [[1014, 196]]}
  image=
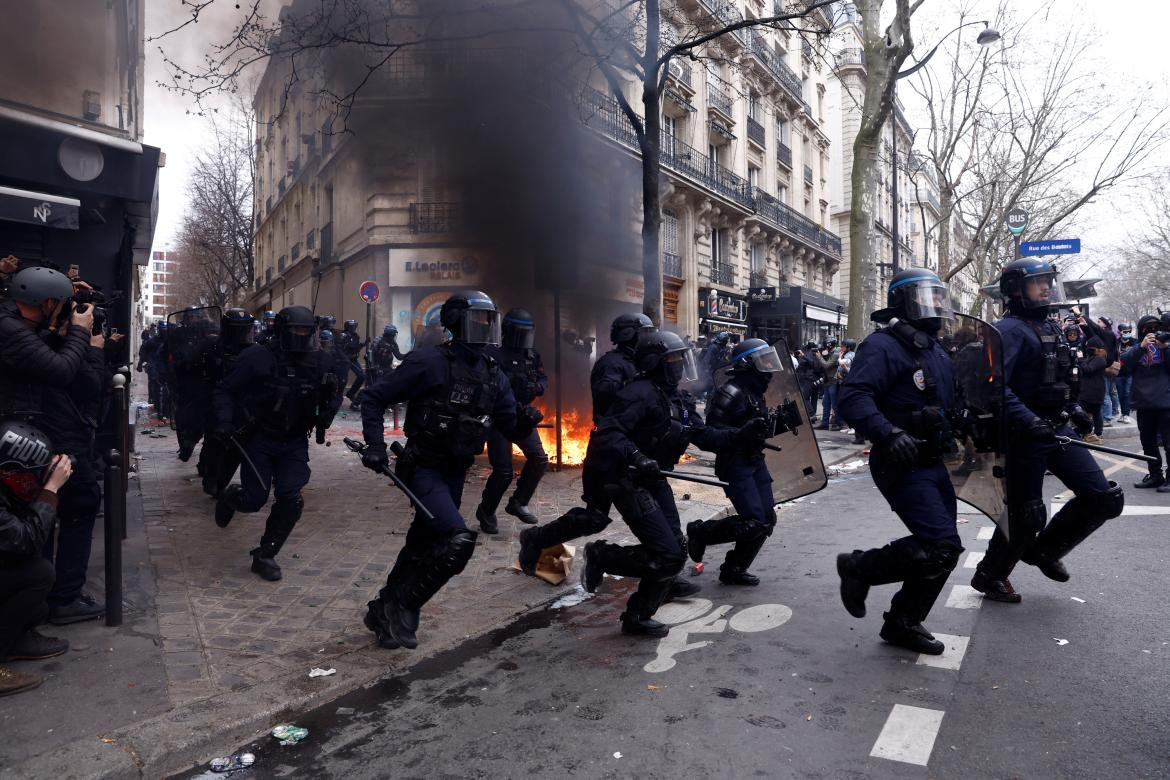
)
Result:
{"points": [[1061, 642], [317, 671], [289, 734], [232, 763]]}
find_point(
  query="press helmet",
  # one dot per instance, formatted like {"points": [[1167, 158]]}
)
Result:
{"points": [[471, 317], [33, 286], [25, 455]]}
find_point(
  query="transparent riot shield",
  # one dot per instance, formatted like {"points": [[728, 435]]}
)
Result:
{"points": [[189, 332], [977, 464], [793, 456]]}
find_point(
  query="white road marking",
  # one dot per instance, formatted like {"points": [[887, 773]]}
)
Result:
{"points": [[964, 597], [683, 610], [761, 617], [908, 735], [952, 656], [689, 617], [972, 560], [985, 532], [1129, 511]]}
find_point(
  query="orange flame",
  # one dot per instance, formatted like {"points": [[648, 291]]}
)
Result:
{"points": [[575, 428]]}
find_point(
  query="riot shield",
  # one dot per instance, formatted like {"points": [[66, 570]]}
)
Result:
{"points": [[189, 332], [796, 468], [977, 464]]}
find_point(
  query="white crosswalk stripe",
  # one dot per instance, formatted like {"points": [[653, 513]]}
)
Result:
{"points": [[908, 735], [972, 560], [952, 656], [964, 597], [985, 532]]}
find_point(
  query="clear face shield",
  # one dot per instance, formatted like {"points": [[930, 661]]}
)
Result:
{"points": [[763, 359], [679, 366], [299, 338], [1043, 290], [927, 300], [479, 326], [519, 335]]}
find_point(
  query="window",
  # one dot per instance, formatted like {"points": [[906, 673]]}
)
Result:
{"points": [[669, 134], [713, 153], [753, 176], [759, 262], [782, 131], [754, 110], [782, 193], [718, 247]]}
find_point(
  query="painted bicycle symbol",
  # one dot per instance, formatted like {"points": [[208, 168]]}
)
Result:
{"points": [[689, 617]]}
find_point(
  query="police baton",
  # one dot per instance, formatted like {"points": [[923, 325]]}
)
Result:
{"points": [[702, 480], [244, 454], [773, 447], [1065, 440], [396, 448]]}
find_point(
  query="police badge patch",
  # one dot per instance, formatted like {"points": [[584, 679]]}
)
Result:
{"points": [[920, 379]]}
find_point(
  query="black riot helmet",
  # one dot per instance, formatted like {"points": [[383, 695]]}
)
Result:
{"points": [[1147, 325], [296, 330], [919, 296], [665, 358], [351, 326], [755, 355], [33, 286], [471, 317], [1124, 328], [722, 338], [25, 455], [519, 329], [626, 329], [269, 318], [326, 339], [236, 327], [1030, 286], [326, 321], [390, 332]]}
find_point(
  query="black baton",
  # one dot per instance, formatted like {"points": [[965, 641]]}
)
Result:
{"points": [[693, 478], [1110, 450], [357, 447]]}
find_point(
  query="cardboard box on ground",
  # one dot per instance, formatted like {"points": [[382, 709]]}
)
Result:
{"points": [[554, 565]]}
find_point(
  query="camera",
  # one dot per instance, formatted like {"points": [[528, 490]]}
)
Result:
{"points": [[1162, 336], [97, 299]]}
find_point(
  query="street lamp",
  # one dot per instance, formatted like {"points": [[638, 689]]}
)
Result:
{"points": [[988, 35]]}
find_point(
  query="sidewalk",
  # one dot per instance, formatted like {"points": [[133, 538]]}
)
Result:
{"points": [[210, 654]]}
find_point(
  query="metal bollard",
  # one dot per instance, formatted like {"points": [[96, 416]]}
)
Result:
{"points": [[115, 521], [122, 401]]}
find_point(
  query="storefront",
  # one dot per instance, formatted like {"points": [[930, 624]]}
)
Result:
{"points": [[796, 314], [722, 312]]}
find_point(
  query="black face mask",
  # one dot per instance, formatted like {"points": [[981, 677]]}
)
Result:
{"points": [[755, 381], [930, 325]]}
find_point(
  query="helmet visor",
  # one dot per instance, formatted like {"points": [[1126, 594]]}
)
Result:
{"points": [[680, 365], [927, 299], [519, 336], [298, 338], [479, 326], [763, 359], [1042, 290]]}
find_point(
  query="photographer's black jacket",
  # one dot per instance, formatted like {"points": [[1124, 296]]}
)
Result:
{"points": [[25, 528]]}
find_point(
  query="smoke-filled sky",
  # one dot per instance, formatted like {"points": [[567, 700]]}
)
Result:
{"points": [[1129, 50]]}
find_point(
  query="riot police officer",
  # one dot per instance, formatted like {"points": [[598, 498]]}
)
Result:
{"points": [[739, 405], [897, 394], [336, 361], [351, 345], [267, 327], [454, 393], [645, 431], [281, 390], [148, 361], [521, 363], [610, 374], [193, 375], [1039, 372], [219, 458], [381, 356]]}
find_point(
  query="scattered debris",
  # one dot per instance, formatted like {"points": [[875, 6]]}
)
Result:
{"points": [[233, 763], [1079, 601], [1061, 642], [698, 569], [106, 740], [344, 711], [572, 598], [289, 734], [617, 755], [317, 671], [653, 688]]}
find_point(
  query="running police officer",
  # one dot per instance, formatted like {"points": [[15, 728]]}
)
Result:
{"points": [[1038, 370], [219, 458], [382, 354], [610, 374], [282, 391], [738, 405], [350, 345], [897, 394], [337, 363], [645, 431], [454, 394], [521, 363]]}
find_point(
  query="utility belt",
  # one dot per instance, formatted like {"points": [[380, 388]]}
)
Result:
{"points": [[443, 435], [931, 427]]}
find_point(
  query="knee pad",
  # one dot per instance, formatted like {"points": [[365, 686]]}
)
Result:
{"points": [[289, 506], [665, 566], [1027, 517], [452, 554], [927, 558], [1107, 505], [592, 521]]}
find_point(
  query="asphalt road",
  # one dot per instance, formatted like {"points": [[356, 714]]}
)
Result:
{"points": [[778, 681]]}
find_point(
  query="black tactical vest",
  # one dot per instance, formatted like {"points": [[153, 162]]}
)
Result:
{"points": [[665, 436], [288, 405], [1057, 369], [451, 421]]}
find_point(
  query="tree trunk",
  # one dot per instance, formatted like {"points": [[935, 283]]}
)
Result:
{"points": [[946, 199], [651, 147], [862, 244]]}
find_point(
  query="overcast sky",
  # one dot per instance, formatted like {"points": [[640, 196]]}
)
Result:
{"points": [[1130, 53]]}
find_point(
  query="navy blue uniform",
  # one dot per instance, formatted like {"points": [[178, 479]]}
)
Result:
{"points": [[525, 372], [1032, 394], [351, 345], [218, 458], [895, 386], [609, 375]]}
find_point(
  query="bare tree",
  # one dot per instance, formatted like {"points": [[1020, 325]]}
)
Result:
{"points": [[215, 237]]}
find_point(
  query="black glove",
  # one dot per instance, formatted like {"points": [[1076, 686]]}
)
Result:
{"points": [[374, 457], [1040, 430], [646, 466], [902, 449], [224, 430], [753, 434], [1081, 421]]}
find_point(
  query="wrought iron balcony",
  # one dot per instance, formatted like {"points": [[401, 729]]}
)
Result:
{"points": [[722, 274], [847, 57], [435, 217], [758, 278], [784, 156], [672, 265], [682, 72], [756, 132], [719, 100], [807, 108], [726, 14], [792, 221], [775, 65]]}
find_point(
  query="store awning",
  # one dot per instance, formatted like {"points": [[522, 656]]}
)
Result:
{"points": [[39, 208], [822, 315]]}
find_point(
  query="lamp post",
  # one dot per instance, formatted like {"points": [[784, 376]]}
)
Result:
{"points": [[987, 36]]}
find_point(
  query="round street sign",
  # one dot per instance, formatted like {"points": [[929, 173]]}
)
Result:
{"points": [[369, 291], [1017, 221]]}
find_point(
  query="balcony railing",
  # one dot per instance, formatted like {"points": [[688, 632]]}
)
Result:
{"points": [[435, 217], [806, 49], [847, 57], [726, 14], [756, 132], [789, 219], [719, 100], [784, 156], [807, 108], [672, 265], [722, 274], [758, 278], [776, 66], [682, 72], [808, 176]]}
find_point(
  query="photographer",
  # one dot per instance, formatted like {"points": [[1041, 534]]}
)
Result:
{"points": [[1124, 381], [1091, 394], [830, 355], [1149, 363], [810, 375], [30, 476], [51, 373]]}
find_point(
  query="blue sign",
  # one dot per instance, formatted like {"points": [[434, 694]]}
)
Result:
{"points": [[1057, 246], [369, 291]]}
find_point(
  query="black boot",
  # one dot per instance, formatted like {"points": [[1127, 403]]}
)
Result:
{"points": [[750, 536], [265, 565], [530, 551], [593, 572], [377, 622], [225, 505], [1074, 523], [899, 631], [702, 533], [638, 617], [487, 521], [995, 590], [1052, 568], [681, 589], [640, 626], [516, 509], [526, 486], [608, 558], [853, 589], [421, 580]]}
